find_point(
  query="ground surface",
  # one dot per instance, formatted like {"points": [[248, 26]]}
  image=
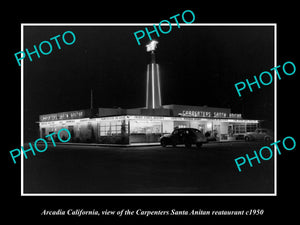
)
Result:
{"points": [[151, 169]]}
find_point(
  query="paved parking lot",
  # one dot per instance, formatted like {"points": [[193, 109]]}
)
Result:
{"points": [[151, 169]]}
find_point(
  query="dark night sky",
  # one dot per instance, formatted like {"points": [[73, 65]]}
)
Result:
{"points": [[199, 66]]}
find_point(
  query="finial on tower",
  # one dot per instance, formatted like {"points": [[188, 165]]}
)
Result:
{"points": [[151, 46]]}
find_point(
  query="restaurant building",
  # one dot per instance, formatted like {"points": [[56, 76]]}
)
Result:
{"points": [[142, 125], [147, 124]]}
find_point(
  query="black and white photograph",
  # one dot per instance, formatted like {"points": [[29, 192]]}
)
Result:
{"points": [[150, 114], [161, 117]]}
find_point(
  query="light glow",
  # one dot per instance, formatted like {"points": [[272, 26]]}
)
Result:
{"points": [[209, 126], [151, 46]]}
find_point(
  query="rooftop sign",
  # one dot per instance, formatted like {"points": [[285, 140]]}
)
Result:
{"points": [[192, 113], [63, 116]]}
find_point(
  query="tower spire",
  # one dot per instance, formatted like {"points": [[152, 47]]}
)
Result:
{"points": [[153, 94]]}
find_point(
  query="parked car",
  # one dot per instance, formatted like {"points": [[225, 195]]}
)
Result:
{"points": [[186, 136], [259, 134]]}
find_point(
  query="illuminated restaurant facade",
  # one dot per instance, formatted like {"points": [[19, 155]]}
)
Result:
{"points": [[148, 124], [143, 125]]}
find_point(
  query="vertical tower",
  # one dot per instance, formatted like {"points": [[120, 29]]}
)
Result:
{"points": [[153, 94]]}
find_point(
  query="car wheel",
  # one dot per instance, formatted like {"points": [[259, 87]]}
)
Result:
{"points": [[199, 145], [163, 142], [267, 138], [188, 145], [247, 138]]}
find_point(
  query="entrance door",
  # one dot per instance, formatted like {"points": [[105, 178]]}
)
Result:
{"points": [[230, 130], [201, 127], [71, 129], [216, 131]]}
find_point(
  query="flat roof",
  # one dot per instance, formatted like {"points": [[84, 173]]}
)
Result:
{"points": [[173, 110]]}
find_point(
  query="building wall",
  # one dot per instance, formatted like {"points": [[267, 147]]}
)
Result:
{"points": [[144, 129], [113, 131]]}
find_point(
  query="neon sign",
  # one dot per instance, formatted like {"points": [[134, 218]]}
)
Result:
{"points": [[62, 116], [192, 113]]}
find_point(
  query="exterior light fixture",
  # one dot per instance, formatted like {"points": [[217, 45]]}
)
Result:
{"points": [[151, 46]]}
